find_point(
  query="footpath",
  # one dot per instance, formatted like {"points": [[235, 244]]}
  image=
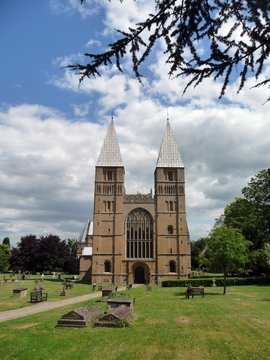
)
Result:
{"points": [[48, 305]]}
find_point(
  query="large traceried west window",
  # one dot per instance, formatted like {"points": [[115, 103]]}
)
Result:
{"points": [[139, 234]]}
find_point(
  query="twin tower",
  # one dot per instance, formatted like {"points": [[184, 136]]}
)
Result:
{"points": [[139, 238]]}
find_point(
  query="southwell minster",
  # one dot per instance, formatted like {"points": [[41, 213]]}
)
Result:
{"points": [[136, 238]]}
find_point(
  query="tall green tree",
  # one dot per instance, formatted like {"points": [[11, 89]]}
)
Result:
{"points": [[5, 251], [6, 241], [257, 192], [72, 264], [242, 214], [197, 249], [227, 250], [187, 26]]}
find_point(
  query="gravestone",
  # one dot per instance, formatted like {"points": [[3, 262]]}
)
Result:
{"points": [[106, 293], [79, 317]]}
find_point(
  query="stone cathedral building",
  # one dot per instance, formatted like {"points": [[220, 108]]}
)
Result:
{"points": [[137, 238]]}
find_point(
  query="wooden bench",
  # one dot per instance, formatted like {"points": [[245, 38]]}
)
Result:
{"points": [[38, 296], [194, 291]]}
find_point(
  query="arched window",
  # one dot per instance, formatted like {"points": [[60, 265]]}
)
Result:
{"points": [[109, 176], [107, 266], [170, 229], [139, 235], [170, 175], [172, 266]]}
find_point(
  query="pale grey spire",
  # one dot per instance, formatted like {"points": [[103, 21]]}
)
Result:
{"points": [[110, 152], [169, 155]]}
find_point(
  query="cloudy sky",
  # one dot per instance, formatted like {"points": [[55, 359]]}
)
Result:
{"points": [[52, 130]]}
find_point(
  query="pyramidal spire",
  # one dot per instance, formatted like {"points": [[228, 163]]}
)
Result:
{"points": [[169, 155], [110, 152]]}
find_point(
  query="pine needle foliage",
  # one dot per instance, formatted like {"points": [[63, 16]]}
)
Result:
{"points": [[220, 39]]}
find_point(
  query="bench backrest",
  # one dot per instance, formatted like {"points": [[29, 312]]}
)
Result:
{"points": [[36, 293], [195, 290]]}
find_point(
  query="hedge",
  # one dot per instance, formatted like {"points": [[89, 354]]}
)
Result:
{"points": [[219, 282]]}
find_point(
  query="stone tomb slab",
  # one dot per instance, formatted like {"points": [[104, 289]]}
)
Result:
{"points": [[115, 302], [19, 292], [117, 317], [79, 317]]}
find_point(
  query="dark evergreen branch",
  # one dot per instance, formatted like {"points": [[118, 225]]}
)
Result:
{"points": [[186, 24]]}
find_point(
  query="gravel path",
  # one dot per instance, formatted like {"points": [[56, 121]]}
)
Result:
{"points": [[48, 305]]}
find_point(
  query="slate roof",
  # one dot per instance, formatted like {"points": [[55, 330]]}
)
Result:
{"points": [[169, 156], [110, 152]]}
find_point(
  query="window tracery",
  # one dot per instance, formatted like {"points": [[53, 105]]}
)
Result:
{"points": [[139, 234]]}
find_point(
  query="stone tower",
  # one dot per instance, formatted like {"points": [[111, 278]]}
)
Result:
{"points": [[108, 241], [139, 238], [172, 237]]}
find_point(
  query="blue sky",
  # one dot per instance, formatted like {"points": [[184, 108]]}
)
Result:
{"points": [[52, 130], [33, 36]]}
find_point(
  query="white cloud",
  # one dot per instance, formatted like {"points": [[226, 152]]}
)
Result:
{"points": [[81, 109], [47, 160], [71, 7], [126, 14], [46, 183]]}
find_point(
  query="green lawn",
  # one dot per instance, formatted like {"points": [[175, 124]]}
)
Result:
{"points": [[165, 326], [51, 286]]}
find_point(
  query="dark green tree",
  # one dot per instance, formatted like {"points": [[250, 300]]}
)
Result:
{"points": [[24, 256], [5, 251], [258, 194], [6, 241], [187, 26], [52, 254], [227, 251], [197, 249], [46, 253], [72, 264]]}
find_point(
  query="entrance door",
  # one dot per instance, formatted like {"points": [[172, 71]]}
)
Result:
{"points": [[139, 277]]}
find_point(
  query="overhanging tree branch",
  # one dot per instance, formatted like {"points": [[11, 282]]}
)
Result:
{"points": [[203, 38]]}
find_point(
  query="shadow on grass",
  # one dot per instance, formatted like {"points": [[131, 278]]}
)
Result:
{"points": [[205, 294], [66, 279]]}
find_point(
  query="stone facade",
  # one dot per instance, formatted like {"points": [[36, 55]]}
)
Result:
{"points": [[139, 238]]}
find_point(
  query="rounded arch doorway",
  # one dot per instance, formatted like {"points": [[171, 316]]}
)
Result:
{"points": [[139, 276], [140, 273]]}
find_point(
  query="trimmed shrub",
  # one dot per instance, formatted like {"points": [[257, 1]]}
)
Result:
{"points": [[219, 282]]}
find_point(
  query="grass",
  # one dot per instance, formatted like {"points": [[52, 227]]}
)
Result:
{"points": [[51, 286], [165, 326]]}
